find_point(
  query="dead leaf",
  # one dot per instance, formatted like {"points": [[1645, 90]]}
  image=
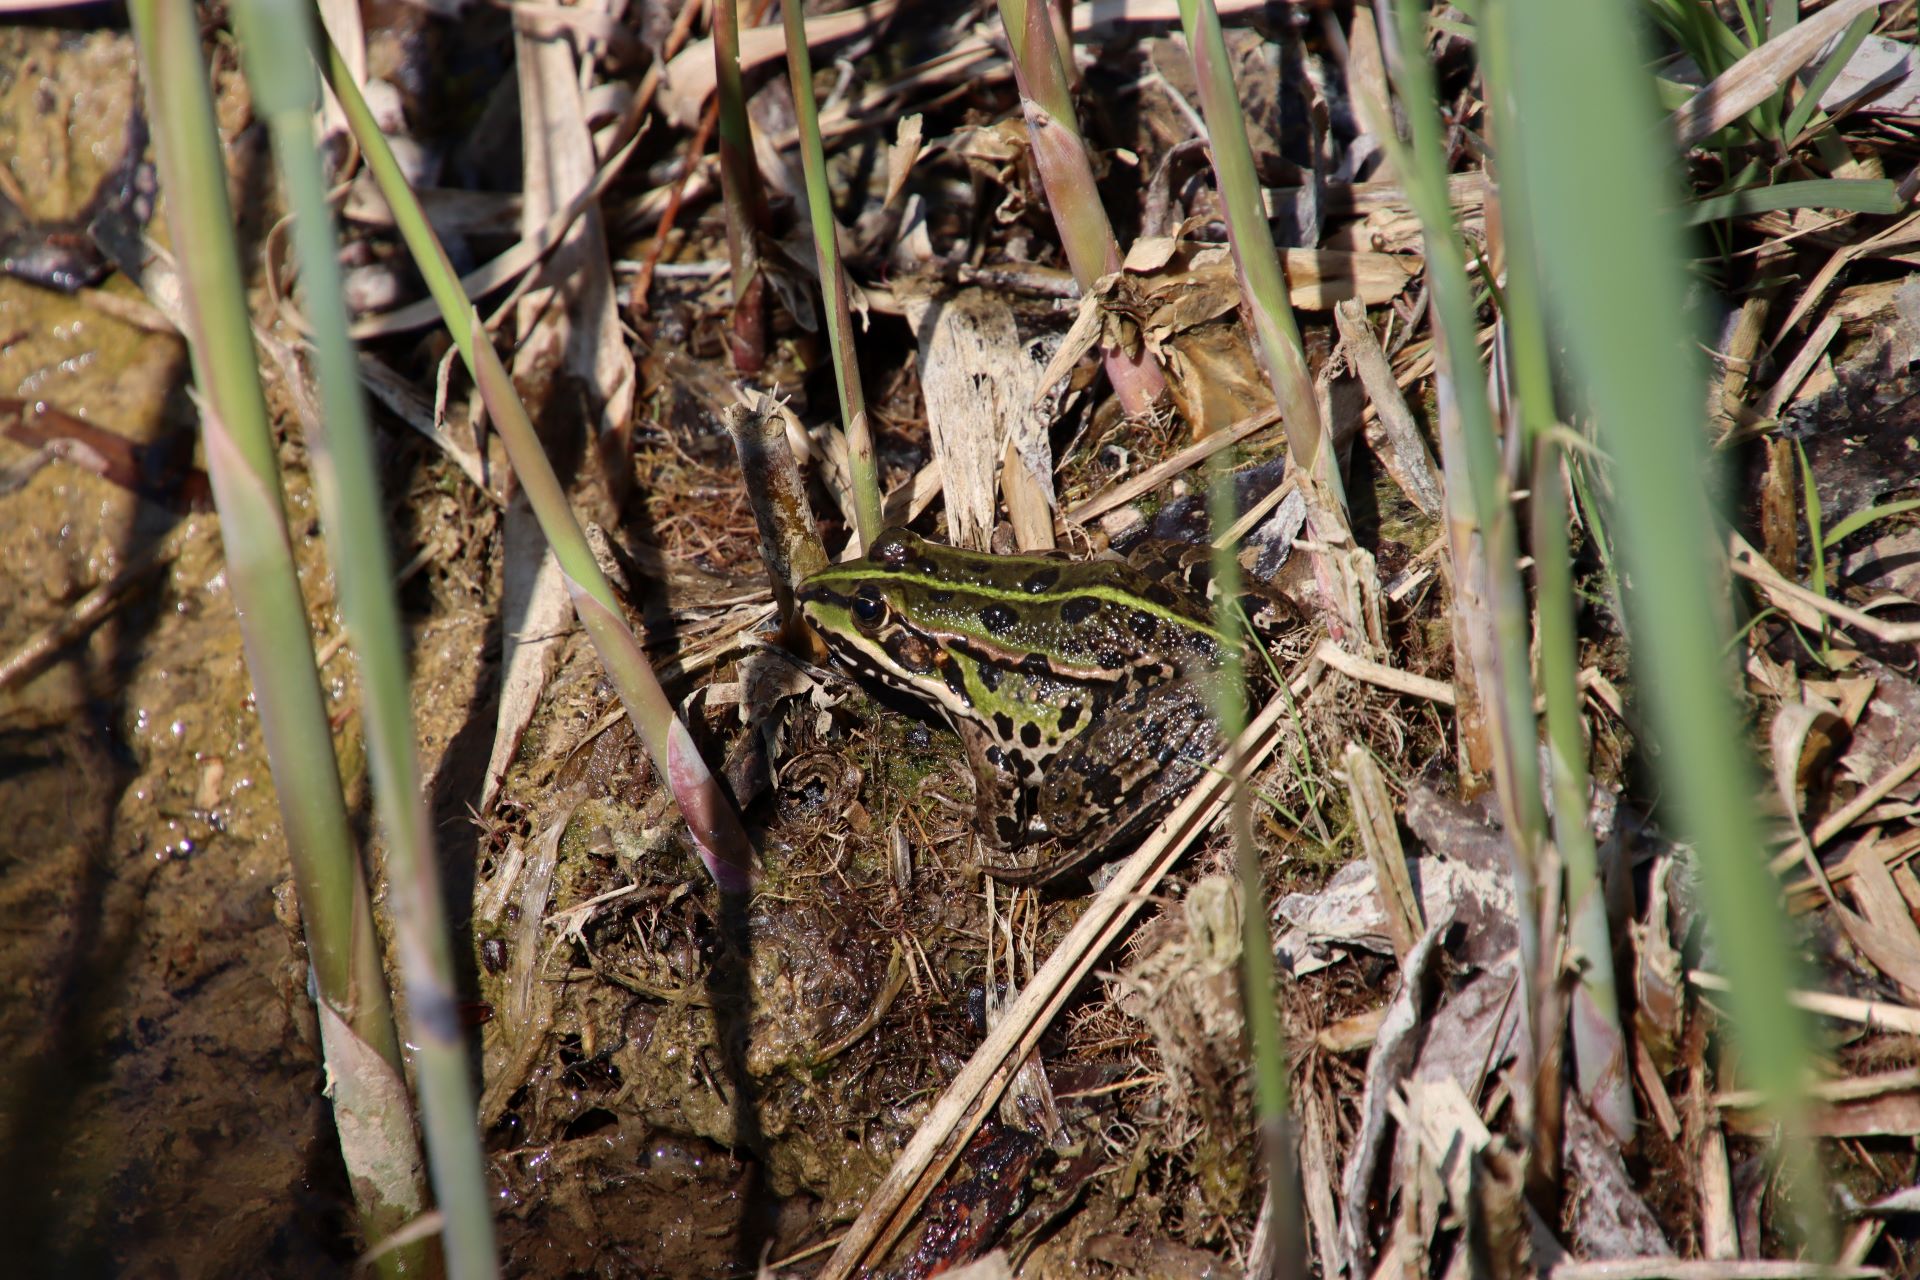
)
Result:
{"points": [[1659, 977], [981, 382], [902, 153], [1888, 732], [1890, 563]]}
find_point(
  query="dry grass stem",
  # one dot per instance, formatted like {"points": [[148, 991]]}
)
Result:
{"points": [[977, 1087]]}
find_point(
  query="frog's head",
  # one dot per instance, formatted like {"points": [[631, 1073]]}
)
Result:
{"points": [[867, 612]]}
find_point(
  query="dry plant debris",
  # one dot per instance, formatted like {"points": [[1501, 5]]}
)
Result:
{"points": [[881, 1045]]}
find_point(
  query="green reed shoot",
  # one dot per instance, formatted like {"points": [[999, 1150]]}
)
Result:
{"points": [[1261, 280], [1479, 501], [1601, 204], [833, 281], [1599, 1039], [361, 1046], [277, 45], [1066, 171], [715, 827], [742, 193], [1286, 1252]]}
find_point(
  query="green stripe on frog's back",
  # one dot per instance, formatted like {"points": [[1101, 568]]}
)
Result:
{"points": [[1089, 620]]}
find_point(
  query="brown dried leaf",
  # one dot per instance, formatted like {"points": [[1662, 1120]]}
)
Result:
{"points": [[1849, 696], [1380, 835], [1890, 564], [1888, 1115], [1889, 730], [1806, 738], [1213, 377], [1448, 1129], [902, 153], [1886, 933]]}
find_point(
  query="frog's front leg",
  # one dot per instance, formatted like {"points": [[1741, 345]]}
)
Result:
{"points": [[999, 808]]}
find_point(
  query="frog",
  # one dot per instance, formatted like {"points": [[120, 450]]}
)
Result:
{"points": [[1083, 691]]}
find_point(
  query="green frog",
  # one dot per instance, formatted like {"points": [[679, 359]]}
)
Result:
{"points": [[1081, 689]]}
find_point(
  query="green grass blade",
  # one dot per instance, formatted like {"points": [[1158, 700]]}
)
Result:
{"points": [[1811, 493], [358, 1036], [1616, 273], [743, 195], [1599, 1039], [278, 50], [1478, 499], [715, 827], [1073, 196], [1853, 195], [1265, 1036], [1261, 279], [1836, 62], [1861, 519], [833, 280]]}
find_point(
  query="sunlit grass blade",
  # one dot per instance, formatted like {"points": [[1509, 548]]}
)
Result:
{"points": [[833, 281], [1276, 331], [1060, 154], [1601, 201], [710, 817], [1286, 1249], [1343, 574], [1816, 538], [1844, 529], [1598, 1037], [358, 1037], [278, 50], [1854, 195], [1479, 502], [1830, 69]]}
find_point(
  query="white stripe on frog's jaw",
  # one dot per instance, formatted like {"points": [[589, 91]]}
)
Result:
{"points": [[907, 663]]}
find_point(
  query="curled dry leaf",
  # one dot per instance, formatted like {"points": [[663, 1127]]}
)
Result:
{"points": [[1807, 738], [1659, 975]]}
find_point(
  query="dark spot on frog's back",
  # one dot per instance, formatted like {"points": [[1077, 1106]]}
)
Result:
{"points": [[894, 548], [1036, 664], [1003, 725], [989, 677], [1042, 579], [997, 618], [1143, 625], [1069, 717], [1030, 734], [1078, 610]]}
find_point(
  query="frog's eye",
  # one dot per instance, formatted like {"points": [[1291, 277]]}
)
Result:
{"points": [[869, 607]]}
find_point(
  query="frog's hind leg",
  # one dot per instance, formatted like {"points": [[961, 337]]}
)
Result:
{"points": [[1109, 788]]}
